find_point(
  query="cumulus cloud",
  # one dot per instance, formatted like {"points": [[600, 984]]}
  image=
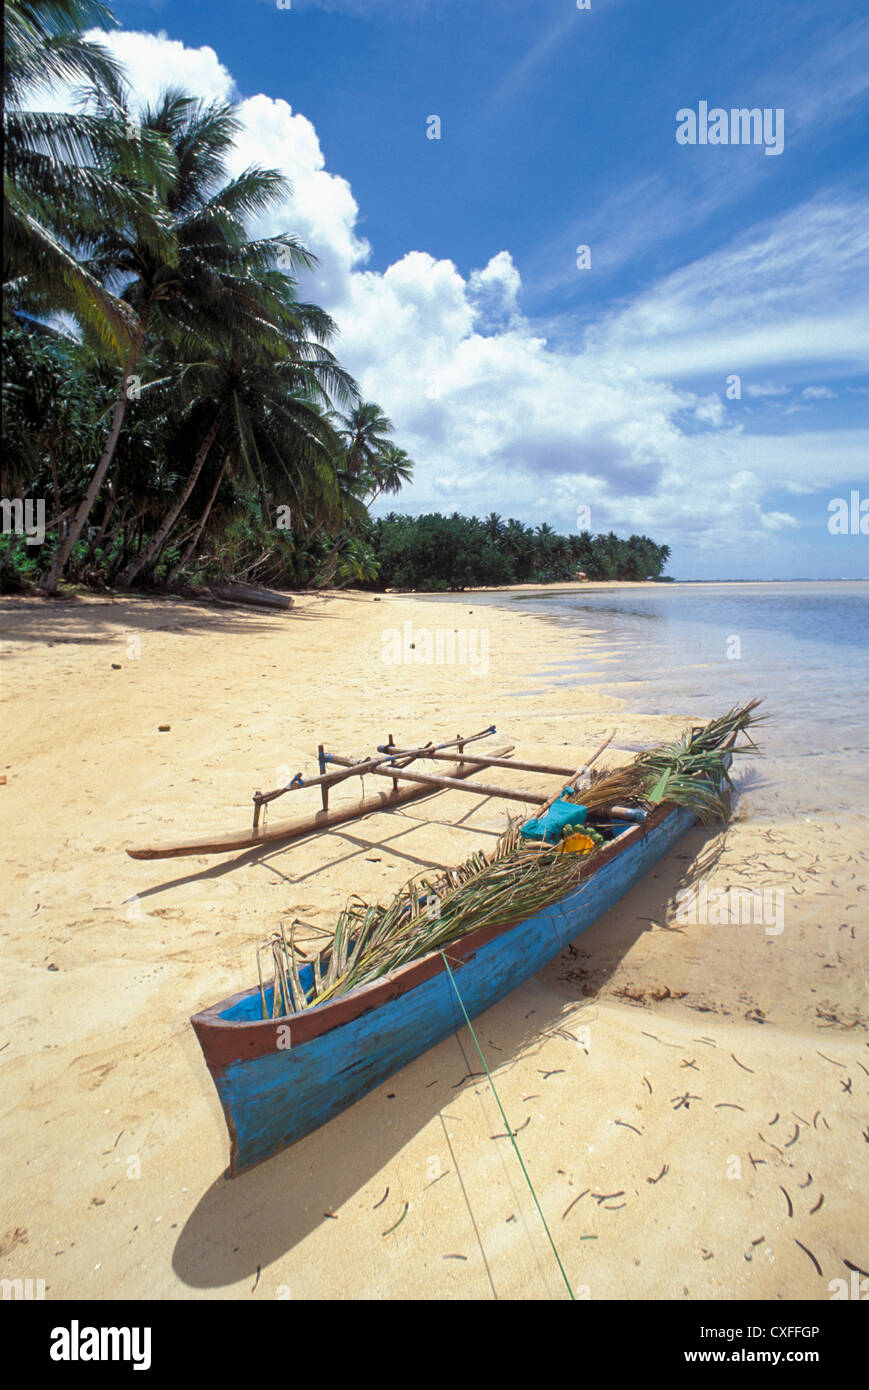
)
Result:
{"points": [[322, 212], [494, 291], [154, 62]]}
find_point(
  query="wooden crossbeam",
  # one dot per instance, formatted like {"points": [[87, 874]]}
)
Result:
{"points": [[452, 783], [483, 761]]}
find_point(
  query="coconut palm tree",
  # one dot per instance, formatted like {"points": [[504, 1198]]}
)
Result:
{"points": [[195, 536], [356, 561], [388, 473], [544, 539], [267, 422], [494, 525], [44, 45], [201, 275], [61, 170], [365, 431]]}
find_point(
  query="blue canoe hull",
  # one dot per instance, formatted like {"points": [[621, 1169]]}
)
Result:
{"points": [[279, 1080]]}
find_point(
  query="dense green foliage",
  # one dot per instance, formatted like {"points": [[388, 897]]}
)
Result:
{"points": [[437, 553], [169, 401], [170, 404]]}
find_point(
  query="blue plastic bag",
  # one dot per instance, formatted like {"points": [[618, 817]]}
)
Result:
{"points": [[550, 825]]}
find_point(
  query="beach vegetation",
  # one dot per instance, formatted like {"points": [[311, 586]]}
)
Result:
{"points": [[172, 407]]}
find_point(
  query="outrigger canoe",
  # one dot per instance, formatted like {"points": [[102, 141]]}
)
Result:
{"points": [[279, 1079]]}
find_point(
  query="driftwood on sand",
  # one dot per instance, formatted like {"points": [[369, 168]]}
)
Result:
{"points": [[237, 593]]}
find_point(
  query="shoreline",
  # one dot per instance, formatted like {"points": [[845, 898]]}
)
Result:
{"points": [[108, 958], [594, 585]]}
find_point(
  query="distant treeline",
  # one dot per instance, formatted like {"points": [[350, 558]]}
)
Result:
{"points": [[435, 552]]}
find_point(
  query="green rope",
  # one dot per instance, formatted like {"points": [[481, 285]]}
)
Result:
{"points": [[509, 1126]]}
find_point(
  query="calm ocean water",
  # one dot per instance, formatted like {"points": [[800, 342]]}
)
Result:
{"points": [[701, 648]]}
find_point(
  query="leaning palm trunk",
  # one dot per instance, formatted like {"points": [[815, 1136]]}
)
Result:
{"points": [[152, 551], [97, 538], [199, 527], [59, 563], [326, 573], [324, 576]]}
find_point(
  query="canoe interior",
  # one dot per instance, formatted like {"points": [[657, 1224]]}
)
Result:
{"points": [[247, 1008]]}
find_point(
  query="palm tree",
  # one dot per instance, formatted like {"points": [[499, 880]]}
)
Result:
{"points": [[185, 267], [544, 538], [494, 525], [61, 175], [392, 468], [196, 534], [365, 432], [265, 409], [356, 561]]}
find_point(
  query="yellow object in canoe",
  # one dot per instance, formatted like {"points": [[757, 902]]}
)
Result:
{"points": [[577, 844]]}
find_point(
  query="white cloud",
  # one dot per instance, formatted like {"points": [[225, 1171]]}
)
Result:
{"points": [[154, 62], [819, 87], [527, 67], [818, 393], [767, 388], [495, 290], [790, 291], [322, 212]]}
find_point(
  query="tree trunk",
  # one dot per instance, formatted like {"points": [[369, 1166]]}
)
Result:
{"points": [[151, 551], [323, 577], [58, 564], [92, 548], [122, 531], [199, 528], [116, 530], [176, 538], [52, 463]]}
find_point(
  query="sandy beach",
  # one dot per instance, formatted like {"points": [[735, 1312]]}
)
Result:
{"points": [[690, 1100]]}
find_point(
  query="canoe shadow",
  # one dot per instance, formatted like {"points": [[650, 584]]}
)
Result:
{"points": [[242, 1225]]}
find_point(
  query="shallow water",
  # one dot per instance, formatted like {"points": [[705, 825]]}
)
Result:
{"points": [[700, 648]]}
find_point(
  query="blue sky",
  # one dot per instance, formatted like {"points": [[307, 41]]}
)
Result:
{"points": [[517, 381]]}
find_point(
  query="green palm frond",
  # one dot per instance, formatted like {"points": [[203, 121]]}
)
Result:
{"points": [[44, 46], [63, 283]]}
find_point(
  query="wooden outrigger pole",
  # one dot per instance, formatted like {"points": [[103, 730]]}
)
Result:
{"points": [[391, 762], [324, 819]]}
